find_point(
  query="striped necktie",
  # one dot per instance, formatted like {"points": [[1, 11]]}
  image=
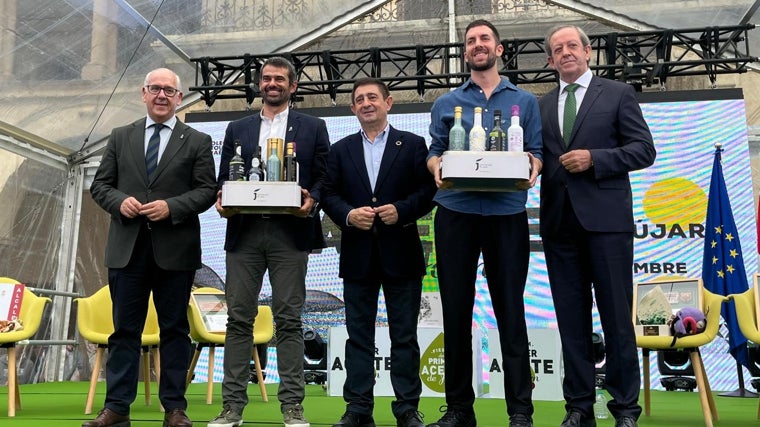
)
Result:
{"points": [[568, 118], [151, 154]]}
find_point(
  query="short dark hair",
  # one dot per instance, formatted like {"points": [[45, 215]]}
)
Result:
{"points": [[280, 62], [364, 81], [480, 23]]}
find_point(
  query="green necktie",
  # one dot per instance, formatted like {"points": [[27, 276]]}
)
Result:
{"points": [[568, 118]]}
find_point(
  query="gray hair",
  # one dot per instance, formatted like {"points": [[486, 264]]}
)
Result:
{"points": [[584, 38], [176, 78]]}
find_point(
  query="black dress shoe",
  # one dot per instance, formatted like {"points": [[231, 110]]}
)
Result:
{"points": [[626, 422], [410, 418], [108, 418], [177, 418], [576, 419], [520, 420], [352, 419]]}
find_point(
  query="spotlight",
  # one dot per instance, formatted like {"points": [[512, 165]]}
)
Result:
{"points": [[676, 370], [314, 358], [598, 353]]}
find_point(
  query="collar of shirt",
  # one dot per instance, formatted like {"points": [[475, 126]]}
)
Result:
{"points": [[165, 134], [583, 81], [169, 123], [373, 153], [272, 128]]}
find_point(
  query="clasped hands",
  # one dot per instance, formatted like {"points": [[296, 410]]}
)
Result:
{"points": [[154, 211], [363, 217]]}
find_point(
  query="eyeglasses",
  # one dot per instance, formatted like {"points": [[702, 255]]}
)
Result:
{"points": [[156, 89]]}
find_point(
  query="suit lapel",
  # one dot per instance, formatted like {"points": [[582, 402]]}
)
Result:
{"points": [[356, 153], [176, 141], [592, 94], [137, 149], [392, 148], [293, 123]]}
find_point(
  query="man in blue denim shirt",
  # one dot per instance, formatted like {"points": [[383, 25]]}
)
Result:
{"points": [[495, 223]]}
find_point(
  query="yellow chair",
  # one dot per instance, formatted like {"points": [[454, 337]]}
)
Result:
{"points": [[95, 324], [263, 330], [32, 308], [711, 304], [747, 315]]}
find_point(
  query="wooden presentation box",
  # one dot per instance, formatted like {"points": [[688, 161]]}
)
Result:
{"points": [[265, 197], [485, 170]]}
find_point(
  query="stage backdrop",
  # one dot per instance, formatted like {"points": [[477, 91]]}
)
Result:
{"points": [[669, 202]]}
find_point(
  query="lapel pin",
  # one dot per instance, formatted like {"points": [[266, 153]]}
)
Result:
{"points": [[398, 143], [290, 129], [182, 136]]}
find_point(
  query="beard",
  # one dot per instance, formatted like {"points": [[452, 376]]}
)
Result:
{"points": [[282, 98], [483, 67]]}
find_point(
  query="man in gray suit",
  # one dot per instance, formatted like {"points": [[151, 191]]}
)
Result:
{"points": [[155, 177]]}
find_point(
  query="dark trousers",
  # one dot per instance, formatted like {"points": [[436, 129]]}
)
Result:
{"points": [[402, 301], [503, 240], [577, 261], [130, 292]]}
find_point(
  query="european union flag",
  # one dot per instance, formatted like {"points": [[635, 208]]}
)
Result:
{"points": [[723, 266]]}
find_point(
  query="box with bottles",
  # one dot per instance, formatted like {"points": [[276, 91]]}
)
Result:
{"points": [[265, 197], [485, 170]]}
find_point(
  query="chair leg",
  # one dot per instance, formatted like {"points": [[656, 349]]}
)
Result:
{"points": [[696, 363], [94, 379], [647, 406], [12, 386], [157, 369], [708, 389], [260, 375], [193, 363], [146, 373], [210, 382]]}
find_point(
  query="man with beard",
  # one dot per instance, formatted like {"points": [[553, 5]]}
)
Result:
{"points": [[280, 243], [496, 223]]}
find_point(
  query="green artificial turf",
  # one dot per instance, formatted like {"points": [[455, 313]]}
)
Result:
{"points": [[62, 404]]}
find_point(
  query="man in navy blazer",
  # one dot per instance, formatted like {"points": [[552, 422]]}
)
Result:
{"points": [[278, 243], [377, 187], [586, 223], [154, 243]]}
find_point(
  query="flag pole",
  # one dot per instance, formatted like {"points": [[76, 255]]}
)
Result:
{"points": [[741, 391]]}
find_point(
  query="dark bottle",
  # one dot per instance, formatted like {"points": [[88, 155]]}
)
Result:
{"points": [[237, 164], [257, 171], [291, 165], [497, 136]]}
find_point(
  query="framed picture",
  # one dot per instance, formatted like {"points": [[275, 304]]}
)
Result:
{"points": [[213, 309], [651, 300]]}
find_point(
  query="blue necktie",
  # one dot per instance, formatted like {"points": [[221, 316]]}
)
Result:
{"points": [[568, 119], [151, 154]]}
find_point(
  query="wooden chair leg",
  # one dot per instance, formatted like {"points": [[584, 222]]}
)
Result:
{"points": [[157, 364], [260, 375], [696, 363], [210, 382], [708, 389], [146, 373], [193, 363], [12, 386], [647, 406], [94, 379]]}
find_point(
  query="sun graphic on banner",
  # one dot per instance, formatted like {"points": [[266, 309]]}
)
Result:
{"points": [[675, 201]]}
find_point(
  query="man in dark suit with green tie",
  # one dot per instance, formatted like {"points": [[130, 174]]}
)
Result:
{"points": [[594, 134], [155, 177]]}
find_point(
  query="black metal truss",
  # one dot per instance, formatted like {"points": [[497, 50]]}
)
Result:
{"points": [[641, 59]]}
